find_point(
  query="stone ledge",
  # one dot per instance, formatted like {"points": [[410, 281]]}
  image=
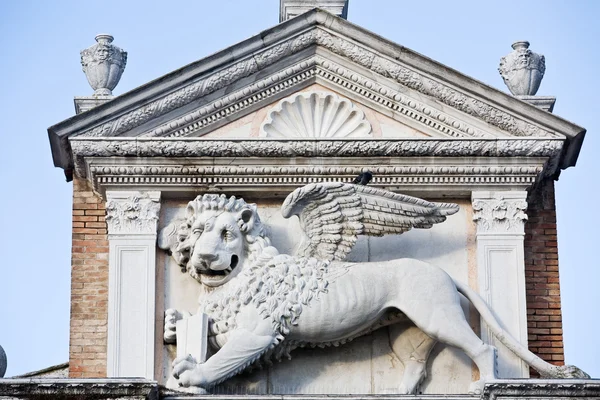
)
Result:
{"points": [[79, 389], [534, 389], [137, 388]]}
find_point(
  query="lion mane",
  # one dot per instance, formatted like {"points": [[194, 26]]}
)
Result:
{"points": [[277, 285]]}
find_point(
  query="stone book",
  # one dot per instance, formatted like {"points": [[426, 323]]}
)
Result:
{"points": [[192, 336]]}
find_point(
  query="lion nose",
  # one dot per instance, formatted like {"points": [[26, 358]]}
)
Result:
{"points": [[208, 257]]}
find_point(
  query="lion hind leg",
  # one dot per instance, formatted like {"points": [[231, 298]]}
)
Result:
{"points": [[412, 346], [447, 323]]}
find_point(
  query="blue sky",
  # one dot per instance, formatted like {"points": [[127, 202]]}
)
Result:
{"points": [[41, 73]]}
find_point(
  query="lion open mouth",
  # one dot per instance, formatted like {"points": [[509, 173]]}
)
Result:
{"points": [[222, 272]]}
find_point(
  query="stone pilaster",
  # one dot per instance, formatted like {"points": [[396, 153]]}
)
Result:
{"points": [[132, 222], [500, 218]]}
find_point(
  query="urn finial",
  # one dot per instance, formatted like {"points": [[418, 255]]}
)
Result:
{"points": [[103, 65], [522, 70]]}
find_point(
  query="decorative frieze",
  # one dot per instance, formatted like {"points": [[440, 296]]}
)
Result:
{"points": [[194, 147], [325, 72], [423, 84], [409, 175], [137, 213]]}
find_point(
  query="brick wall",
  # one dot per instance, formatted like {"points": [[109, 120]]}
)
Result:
{"points": [[89, 284], [544, 316]]}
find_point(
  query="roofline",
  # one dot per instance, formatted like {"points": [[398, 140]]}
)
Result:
{"points": [[43, 371], [58, 133]]}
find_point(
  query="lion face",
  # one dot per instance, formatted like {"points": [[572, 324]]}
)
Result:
{"points": [[216, 246], [215, 239]]}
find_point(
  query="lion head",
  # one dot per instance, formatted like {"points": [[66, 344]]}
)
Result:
{"points": [[215, 239]]}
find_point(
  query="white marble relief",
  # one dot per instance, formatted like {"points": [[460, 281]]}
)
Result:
{"points": [[315, 115], [263, 304]]}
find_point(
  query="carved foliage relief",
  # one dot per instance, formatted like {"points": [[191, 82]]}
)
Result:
{"points": [[500, 215], [132, 215]]}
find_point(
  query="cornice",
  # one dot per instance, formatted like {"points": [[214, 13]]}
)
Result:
{"points": [[339, 45], [316, 30], [327, 73], [413, 147], [441, 175]]}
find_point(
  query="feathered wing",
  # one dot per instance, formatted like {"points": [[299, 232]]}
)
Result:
{"points": [[333, 214]]}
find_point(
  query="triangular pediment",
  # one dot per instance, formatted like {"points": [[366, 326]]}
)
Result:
{"points": [[236, 92]]}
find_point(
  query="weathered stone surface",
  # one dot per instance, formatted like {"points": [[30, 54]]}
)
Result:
{"points": [[539, 389], [79, 389], [103, 65], [292, 8], [264, 304], [86, 103], [522, 70], [316, 115]]}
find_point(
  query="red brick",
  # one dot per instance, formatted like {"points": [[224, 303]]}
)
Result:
{"points": [[542, 283], [89, 283]]}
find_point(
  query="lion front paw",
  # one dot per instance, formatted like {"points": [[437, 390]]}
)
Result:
{"points": [[189, 372], [171, 318]]}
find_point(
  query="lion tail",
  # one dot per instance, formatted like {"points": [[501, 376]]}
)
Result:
{"points": [[545, 369]]}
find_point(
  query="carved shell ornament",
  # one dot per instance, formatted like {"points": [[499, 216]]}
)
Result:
{"points": [[315, 115]]}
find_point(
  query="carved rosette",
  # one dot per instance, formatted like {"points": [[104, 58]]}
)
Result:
{"points": [[500, 215], [315, 115], [103, 65], [134, 214], [522, 70]]}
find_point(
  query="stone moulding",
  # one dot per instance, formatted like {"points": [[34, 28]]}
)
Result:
{"points": [[135, 388], [75, 389], [195, 147], [315, 115], [270, 178], [247, 64], [328, 73], [538, 389], [339, 45], [490, 162]]}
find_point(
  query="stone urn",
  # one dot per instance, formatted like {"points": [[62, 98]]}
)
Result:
{"points": [[103, 65], [522, 70]]}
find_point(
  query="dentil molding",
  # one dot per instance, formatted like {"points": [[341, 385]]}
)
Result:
{"points": [[416, 175]]}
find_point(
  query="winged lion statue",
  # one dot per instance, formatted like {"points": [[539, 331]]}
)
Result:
{"points": [[264, 304]]}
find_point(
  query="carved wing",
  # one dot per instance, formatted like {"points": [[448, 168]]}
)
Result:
{"points": [[333, 214]]}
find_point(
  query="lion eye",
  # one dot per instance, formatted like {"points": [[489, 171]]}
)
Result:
{"points": [[227, 235], [197, 231]]}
